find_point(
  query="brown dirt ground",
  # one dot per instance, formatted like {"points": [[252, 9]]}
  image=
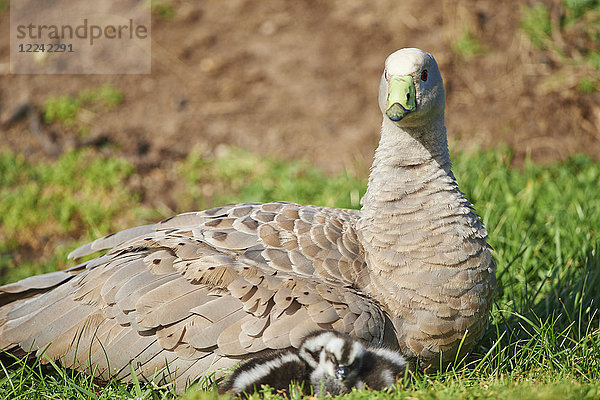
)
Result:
{"points": [[298, 79]]}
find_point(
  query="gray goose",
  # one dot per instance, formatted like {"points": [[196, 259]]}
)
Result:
{"points": [[203, 290]]}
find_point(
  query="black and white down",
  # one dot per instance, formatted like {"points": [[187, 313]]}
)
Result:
{"points": [[327, 362]]}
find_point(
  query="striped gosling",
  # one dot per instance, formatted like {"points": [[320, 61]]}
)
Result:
{"points": [[328, 361]]}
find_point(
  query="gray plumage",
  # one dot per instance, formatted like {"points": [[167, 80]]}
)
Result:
{"points": [[411, 270], [327, 362]]}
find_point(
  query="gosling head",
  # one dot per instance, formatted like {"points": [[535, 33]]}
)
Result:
{"points": [[337, 356]]}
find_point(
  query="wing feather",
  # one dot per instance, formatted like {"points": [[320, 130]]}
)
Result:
{"points": [[199, 290]]}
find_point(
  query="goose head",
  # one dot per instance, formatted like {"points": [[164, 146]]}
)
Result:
{"points": [[411, 91]]}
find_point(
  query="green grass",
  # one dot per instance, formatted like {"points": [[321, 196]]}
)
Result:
{"points": [[535, 21], [544, 221], [61, 108], [587, 85], [467, 46], [67, 110], [35, 380], [163, 9], [239, 176], [46, 205], [571, 40]]}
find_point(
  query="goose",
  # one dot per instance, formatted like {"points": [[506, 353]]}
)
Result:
{"points": [[200, 291], [330, 362]]}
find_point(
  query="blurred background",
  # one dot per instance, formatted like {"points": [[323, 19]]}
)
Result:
{"points": [[286, 79]]}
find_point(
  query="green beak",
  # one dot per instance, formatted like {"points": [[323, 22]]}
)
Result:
{"points": [[401, 97]]}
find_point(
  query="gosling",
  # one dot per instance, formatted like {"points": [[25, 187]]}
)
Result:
{"points": [[330, 362]]}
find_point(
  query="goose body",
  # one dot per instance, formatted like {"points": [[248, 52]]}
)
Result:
{"points": [[330, 362], [201, 291]]}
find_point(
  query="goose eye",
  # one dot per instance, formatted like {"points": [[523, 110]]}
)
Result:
{"points": [[386, 75], [424, 75]]}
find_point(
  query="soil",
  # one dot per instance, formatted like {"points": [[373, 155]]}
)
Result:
{"points": [[298, 79]]}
